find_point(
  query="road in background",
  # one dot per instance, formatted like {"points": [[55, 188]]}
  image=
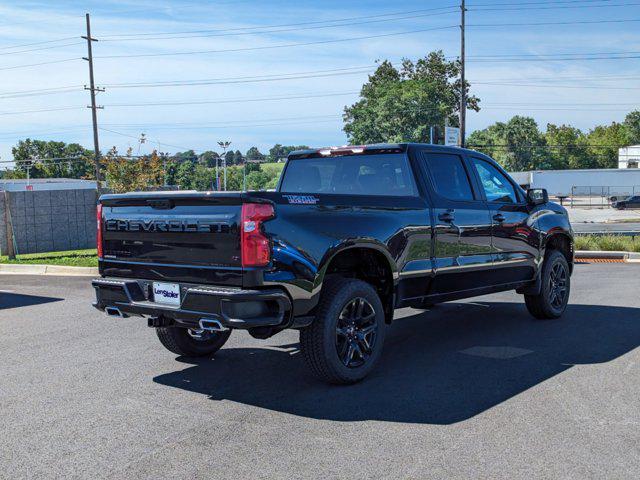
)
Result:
{"points": [[606, 227], [472, 389]]}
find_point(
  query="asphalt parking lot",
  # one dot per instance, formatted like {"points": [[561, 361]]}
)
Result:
{"points": [[471, 389]]}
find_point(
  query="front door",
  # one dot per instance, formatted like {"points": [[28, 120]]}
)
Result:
{"points": [[514, 237], [462, 225]]}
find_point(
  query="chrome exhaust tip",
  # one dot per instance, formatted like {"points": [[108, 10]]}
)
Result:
{"points": [[209, 325], [114, 312]]}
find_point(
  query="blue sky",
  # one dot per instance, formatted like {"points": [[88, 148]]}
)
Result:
{"points": [[298, 110]]}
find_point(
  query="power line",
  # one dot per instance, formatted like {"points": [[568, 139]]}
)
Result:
{"points": [[31, 133], [11, 47], [41, 48], [571, 22], [285, 45], [536, 3], [296, 24], [554, 59], [36, 160], [262, 32], [14, 67], [509, 84], [507, 55], [600, 78], [562, 109], [551, 7], [226, 122], [246, 79], [293, 76], [40, 92], [484, 106], [137, 138], [60, 109], [232, 100]]}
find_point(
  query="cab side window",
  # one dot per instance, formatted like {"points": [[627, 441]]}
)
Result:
{"points": [[497, 187], [449, 176]]}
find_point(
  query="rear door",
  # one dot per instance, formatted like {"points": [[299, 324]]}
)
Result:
{"points": [[462, 223], [514, 236]]}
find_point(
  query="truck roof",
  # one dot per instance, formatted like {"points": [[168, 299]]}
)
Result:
{"points": [[377, 147]]}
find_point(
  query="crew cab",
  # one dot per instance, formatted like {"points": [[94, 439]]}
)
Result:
{"points": [[350, 235]]}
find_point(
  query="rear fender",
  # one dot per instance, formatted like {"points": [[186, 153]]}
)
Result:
{"points": [[340, 248]]}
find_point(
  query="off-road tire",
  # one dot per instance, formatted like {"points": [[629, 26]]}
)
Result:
{"points": [[318, 340], [540, 306], [178, 341]]}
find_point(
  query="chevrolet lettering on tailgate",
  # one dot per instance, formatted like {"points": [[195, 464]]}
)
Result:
{"points": [[201, 226]]}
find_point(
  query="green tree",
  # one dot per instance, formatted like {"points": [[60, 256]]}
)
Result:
{"points": [[517, 145], [53, 159], [568, 147], [632, 125], [254, 154], [127, 174], [230, 158], [252, 167], [185, 175], [235, 177], [237, 157], [400, 105], [488, 141], [188, 156], [204, 178], [280, 152], [604, 142], [257, 180], [208, 158]]}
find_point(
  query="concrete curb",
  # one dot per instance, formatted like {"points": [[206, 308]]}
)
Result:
{"points": [[631, 257], [27, 269]]}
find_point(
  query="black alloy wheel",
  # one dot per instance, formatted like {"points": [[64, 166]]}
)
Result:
{"points": [[356, 333], [555, 287], [558, 285], [344, 342]]}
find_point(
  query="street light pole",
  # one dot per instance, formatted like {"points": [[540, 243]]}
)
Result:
{"points": [[224, 145]]}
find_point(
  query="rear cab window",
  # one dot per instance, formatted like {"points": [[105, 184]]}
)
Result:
{"points": [[449, 176], [387, 174]]}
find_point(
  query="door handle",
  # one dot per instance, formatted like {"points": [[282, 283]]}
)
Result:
{"points": [[447, 217], [499, 218]]}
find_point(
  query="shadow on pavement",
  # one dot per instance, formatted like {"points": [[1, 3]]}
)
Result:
{"points": [[15, 300], [438, 367]]}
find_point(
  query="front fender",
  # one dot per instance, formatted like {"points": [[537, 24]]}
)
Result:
{"points": [[554, 222]]}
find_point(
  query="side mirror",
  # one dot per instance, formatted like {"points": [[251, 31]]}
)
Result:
{"points": [[537, 196]]}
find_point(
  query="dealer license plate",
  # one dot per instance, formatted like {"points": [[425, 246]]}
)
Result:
{"points": [[166, 293]]}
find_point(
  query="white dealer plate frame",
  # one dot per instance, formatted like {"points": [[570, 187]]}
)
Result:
{"points": [[166, 293]]}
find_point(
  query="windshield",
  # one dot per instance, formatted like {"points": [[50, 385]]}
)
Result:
{"points": [[382, 174]]}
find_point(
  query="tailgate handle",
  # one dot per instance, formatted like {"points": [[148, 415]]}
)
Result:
{"points": [[160, 204]]}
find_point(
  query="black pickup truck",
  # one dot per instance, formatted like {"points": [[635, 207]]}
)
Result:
{"points": [[350, 235]]}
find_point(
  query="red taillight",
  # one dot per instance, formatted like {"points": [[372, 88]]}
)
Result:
{"points": [[99, 222], [254, 245]]}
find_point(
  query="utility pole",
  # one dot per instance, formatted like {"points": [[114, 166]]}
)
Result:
{"points": [[94, 108], [463, 89]]}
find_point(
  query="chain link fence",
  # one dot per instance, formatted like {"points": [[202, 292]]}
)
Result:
{"points": [[600, 196]]}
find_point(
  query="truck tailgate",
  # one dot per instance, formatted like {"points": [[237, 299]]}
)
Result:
{"points": [[175, 237]]}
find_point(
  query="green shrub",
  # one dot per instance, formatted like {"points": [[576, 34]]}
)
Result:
{"points": [[607, 243]]}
